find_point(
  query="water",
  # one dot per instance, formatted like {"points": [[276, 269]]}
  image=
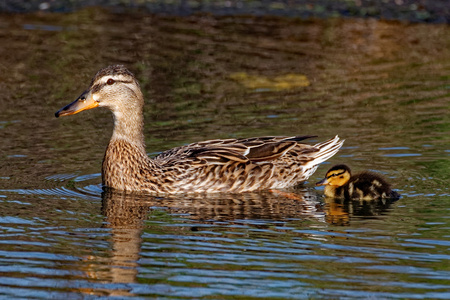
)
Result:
{"points": [[383, 86]]}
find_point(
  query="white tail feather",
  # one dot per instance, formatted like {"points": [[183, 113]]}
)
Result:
{"points": [[327, 150]]}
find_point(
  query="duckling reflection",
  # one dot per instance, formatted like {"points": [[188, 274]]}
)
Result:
{"points": [[339, 211], [339, 183]]}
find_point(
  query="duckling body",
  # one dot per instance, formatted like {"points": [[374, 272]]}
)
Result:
{"points": [[340, 183], [230, 165]]}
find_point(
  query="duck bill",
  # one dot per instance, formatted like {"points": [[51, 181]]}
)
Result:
{"points": [[322, 182], [84, 102]]}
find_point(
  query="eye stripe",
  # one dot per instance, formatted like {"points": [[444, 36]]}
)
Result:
{"points": [[335, 174], [97, 87], [124, 81]]}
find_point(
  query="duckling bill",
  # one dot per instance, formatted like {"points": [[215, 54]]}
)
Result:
{"points": [[340, 183]]}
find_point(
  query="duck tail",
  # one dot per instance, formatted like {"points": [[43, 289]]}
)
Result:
{"points": [[326, 150]]}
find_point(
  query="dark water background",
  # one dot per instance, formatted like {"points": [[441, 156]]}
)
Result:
{"points": [[431, 11], [384, 86]]}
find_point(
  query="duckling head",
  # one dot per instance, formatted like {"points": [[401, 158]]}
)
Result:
{"points": [[113, 87], [337, 176]]}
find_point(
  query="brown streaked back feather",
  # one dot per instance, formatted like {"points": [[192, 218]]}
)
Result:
{"points": [[218, 155], [255, 149], [269, 151]]}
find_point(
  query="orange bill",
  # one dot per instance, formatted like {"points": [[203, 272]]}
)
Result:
{"points": [[84, 102]]}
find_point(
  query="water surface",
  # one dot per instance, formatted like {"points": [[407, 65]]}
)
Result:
{"points": [[383, 86]]}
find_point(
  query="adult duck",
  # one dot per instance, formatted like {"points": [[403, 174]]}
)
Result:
{"points": [[222, 165]]}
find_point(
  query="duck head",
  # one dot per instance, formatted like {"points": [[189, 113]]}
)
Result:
{"points": [[113, 87], [337, 176]]}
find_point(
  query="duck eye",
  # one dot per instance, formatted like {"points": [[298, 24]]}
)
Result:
{"points": [[110, 81]]}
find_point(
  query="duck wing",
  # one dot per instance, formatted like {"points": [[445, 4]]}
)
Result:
{"points": [[260, 149], [238, 165]]}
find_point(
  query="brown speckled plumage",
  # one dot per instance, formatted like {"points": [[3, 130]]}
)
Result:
{"points": [[340, 183], [231, 165]]}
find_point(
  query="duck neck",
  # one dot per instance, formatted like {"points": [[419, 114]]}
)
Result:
{"points": [[125, 158], [330, 191], [129, 128]]}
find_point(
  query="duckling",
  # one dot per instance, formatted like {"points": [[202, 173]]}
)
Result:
{"points": [[339, 183], [220, 165]]}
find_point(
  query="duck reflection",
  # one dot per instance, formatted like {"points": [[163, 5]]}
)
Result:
{"points": [[340, 211], [130, 210], [126, 215]]}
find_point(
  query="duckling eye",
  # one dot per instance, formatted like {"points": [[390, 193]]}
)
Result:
{"points": [[110, 81]]}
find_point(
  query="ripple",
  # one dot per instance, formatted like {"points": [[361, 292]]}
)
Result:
{"points": [[394, 148], [15, 220], [87, 177], [17, 156], [430, 242], [54, 257], [90, 192], [43, 27], [60, 177], [402, 155]]}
